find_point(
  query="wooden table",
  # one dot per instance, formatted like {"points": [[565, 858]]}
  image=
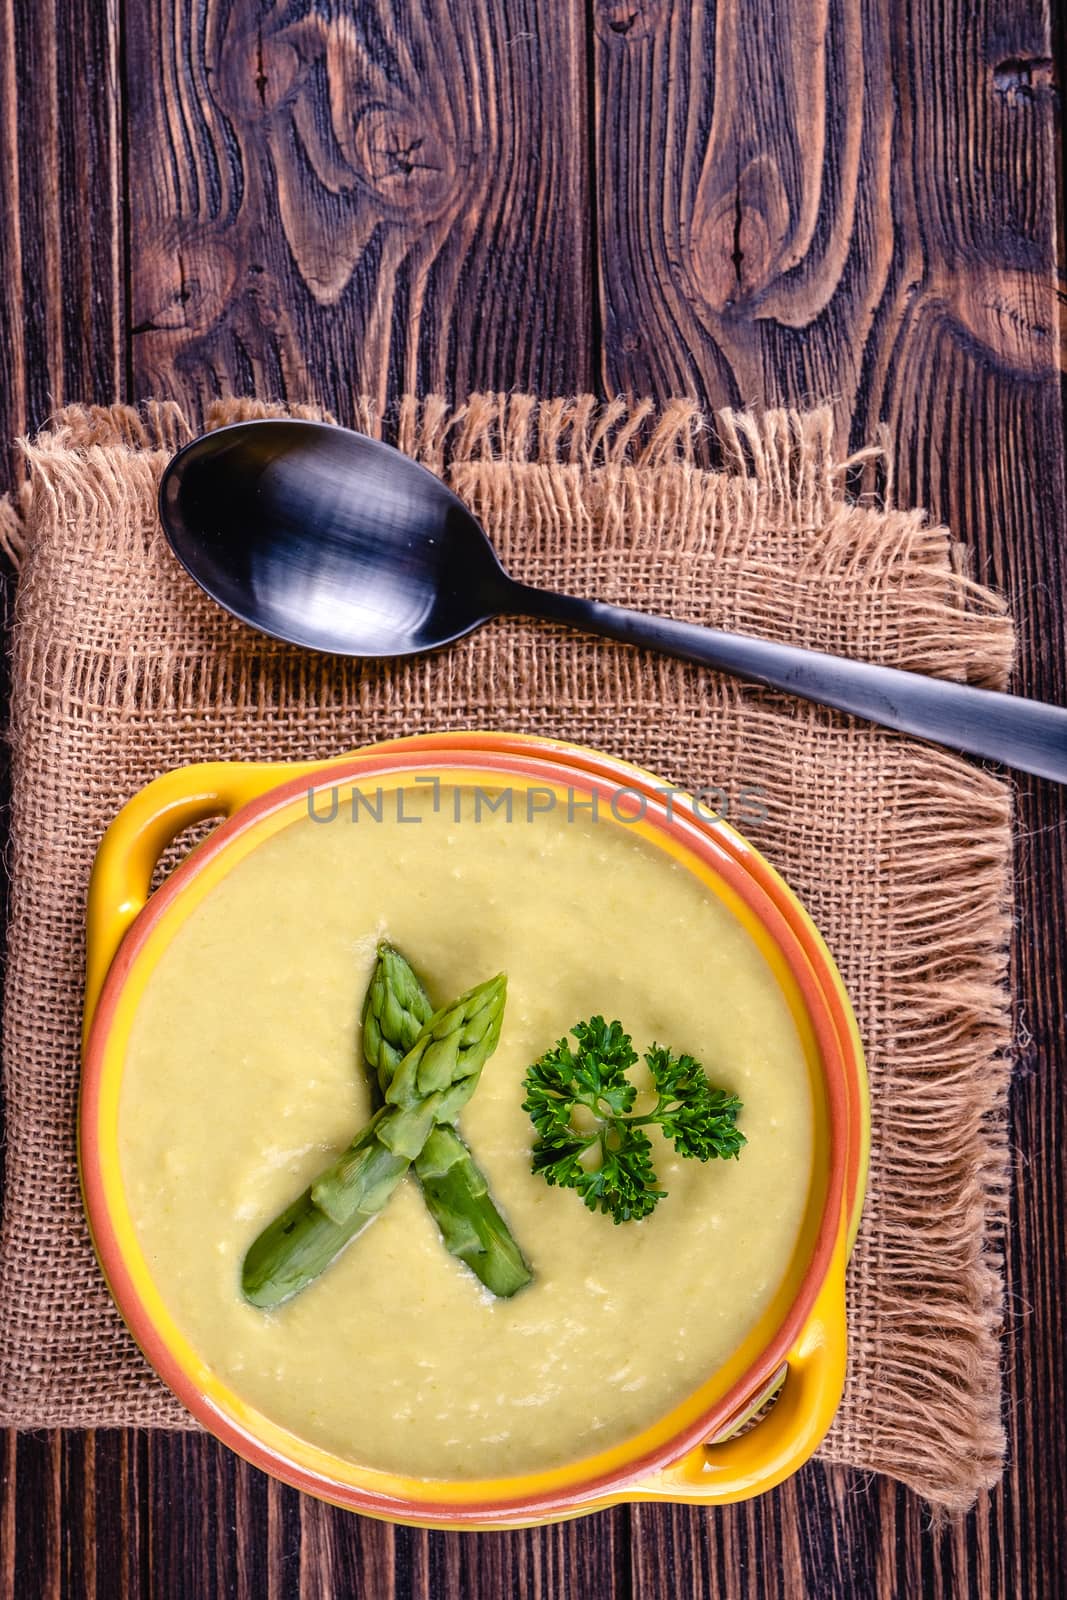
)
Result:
{"points": [[745, 201]]}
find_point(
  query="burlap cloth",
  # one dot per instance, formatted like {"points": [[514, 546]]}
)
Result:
{"points": [[122, 669]]}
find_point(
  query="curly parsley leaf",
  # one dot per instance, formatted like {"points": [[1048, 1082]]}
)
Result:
{"points": [[698, 1120], [620, 1182], [580, 1101], [593, 1076]]}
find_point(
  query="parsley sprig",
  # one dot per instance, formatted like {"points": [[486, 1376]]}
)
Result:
{"points": [[618, 1178]]}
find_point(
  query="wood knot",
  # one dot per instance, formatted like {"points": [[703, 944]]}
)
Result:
{"points": [[404, 159], [629, 20], [259, 71], [736, 238], [185, 280], [1023, 78], [1010, 314]]}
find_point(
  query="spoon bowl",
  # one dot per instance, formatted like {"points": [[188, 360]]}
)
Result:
{"points": [[328, 539], [333, 541]]}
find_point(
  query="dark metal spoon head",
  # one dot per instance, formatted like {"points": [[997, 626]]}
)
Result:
{"points": [[328, 539]]}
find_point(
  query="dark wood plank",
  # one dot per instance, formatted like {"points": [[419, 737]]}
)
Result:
{"points": [[38, 1553], [61, 337], [925, 296], [9, 1488], [61, 252], [743, 160], [370, 197], [120, 1519]]}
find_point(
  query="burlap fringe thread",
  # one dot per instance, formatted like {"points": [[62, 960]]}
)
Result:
{"points": [[786, 456], [788, 453], [929, 1411]]}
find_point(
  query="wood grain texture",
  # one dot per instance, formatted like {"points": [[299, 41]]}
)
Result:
{"points": [[371, 197], [744, 166], [843, 198], [61, 256]]}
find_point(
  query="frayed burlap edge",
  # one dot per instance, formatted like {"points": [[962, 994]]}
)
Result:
{"points": [[783, 456], [787, 459]]}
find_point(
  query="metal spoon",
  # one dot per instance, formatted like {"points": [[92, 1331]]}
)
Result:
{"points": [[331, 540]]}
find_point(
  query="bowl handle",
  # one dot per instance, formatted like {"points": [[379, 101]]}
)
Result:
{"points": [[126, 859], [720, 1471]]}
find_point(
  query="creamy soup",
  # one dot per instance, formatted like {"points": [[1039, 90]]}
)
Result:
{"points": [[244, 1077]]}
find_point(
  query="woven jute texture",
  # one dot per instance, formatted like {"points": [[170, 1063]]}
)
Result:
{"points": [[902, 852]]}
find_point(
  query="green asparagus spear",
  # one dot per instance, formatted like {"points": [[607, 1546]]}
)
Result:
{"points": [[295, 1248], [395, 1011], [458, 1199], [432, 1084], [436, 1077], [456, 1193], [300, 1243]]}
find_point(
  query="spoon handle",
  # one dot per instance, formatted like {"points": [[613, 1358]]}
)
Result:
{"points": [[1001, 727]]}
